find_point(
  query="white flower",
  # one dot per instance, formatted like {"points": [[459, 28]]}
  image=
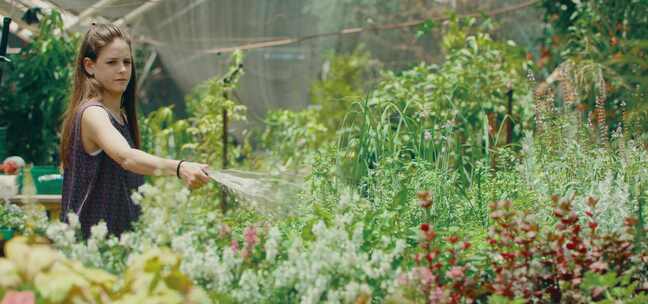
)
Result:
{"points": [[136, 197], [73, 220], [148, 190], [182, 196], [272, 244], [249, 288], [182, 243], [61, 234], [99, 231], [427, 135], [358, 237], [354, 290]]}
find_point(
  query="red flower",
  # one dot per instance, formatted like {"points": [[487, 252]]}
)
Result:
{"points": [[430, 235], [508, 256], [592, 225], [9, 167], [453, 239], [466, 246], [577, 229], [430, 256], [425, 227], [630, 221]]}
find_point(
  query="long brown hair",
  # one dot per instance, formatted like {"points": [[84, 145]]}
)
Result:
{"points": [[86, 87]]}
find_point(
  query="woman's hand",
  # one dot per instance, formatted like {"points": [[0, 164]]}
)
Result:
{"points": [[193, 174]]}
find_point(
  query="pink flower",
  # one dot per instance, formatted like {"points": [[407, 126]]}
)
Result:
{"points": [[19, 297], [250, 235], [235, 246], [402, 279], [455, 273], [424, 275], [599, 266], [437, 295]]}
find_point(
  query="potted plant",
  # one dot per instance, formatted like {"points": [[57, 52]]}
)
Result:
{"points": [[12, 220]]}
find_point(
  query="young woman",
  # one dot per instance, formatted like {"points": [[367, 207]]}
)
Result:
{"points": [[100, 137]]}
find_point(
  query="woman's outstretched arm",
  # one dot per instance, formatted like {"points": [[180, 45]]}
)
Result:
{"points": [[97, 127]]}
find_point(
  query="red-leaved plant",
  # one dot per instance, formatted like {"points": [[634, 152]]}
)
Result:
{"points": [[545, 264]]}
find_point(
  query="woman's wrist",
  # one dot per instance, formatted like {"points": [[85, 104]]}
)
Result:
{"points": [[178, 167]]}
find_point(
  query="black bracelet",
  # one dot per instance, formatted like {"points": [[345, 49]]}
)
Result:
{"points": [[178, 168]]}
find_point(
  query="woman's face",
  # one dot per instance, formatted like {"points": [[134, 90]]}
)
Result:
{"points": [[113, 66]]}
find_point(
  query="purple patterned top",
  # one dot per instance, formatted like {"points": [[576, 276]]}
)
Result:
{"points": [[97, 188]]}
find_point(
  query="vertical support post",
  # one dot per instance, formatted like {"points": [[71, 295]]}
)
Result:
{"points": [[223, 204], [509, 119], [6, 22], [226, 82], [641, 232]]}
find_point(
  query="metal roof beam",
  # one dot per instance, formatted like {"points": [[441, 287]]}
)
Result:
{"points": [[89, 12], [148, 5], [15, 13]]}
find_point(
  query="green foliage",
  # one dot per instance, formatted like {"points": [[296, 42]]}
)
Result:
{"points": [[290, 136], [35, 90], [163, 135], [606, 36], [611, 288], [205, 105], [427, 146], [199, 137], [344, 83], [497, 299], [448, 114], [568, 158]]}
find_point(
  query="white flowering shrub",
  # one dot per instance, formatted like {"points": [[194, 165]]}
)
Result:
{"points": [[262, 262], [334, 268], [12, 216], [574, 167]]}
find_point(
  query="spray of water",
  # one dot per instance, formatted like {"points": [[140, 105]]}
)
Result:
{"points": [[270, 194]]}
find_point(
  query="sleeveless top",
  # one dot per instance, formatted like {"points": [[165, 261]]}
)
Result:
{"points": [[97, 188]]}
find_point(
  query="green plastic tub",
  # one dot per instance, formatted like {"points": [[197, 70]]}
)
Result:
{"points": [[6, 233], [47, 180]]}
